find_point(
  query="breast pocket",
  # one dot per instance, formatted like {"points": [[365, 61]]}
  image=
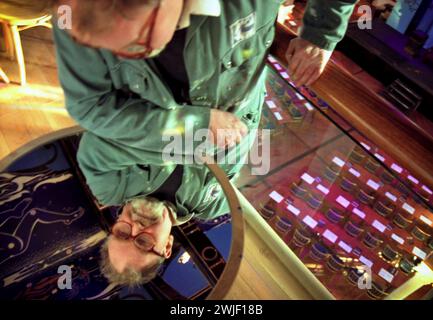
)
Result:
{"points": [[242, 66]]}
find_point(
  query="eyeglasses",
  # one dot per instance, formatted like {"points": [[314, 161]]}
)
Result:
{"points": [[143, 241], [141, 49]]}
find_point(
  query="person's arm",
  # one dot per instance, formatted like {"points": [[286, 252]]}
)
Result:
{"points": [[324, 25], [325, 22], [94, 103]]}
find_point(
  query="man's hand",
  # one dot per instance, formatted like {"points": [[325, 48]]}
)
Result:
{"points": [[227, 130], [306, 61]]}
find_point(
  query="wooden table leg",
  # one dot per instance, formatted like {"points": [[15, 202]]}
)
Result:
{"points": [[19, 54], [9, 43]]}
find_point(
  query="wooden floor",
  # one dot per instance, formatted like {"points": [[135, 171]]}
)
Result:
{"points": [[38, 108], [29, 112]]}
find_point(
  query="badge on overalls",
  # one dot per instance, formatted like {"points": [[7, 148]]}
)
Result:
{"points": [[213, 191], [243, 29]]}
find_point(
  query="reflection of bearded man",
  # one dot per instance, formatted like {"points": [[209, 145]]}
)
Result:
{"points": [[139, 242]]}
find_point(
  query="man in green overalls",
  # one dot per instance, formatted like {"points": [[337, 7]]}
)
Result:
{"points": [[136, 71]]}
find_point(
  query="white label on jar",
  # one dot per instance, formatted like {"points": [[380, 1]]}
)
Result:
{"points": [[322, 188], [271, 104], [419, 253], [309, 106], [343, 201], [390, 196], [397, 238], [365, 261], [343, 245], [379, 226], [277, 66], [397, 168], [284, 75], [366, 146], [310, 222], [354, 172], [276, 196], [278, 116], [293, 210], [338, 161], [373, 184], [378, 156], [307, 178], [331, 236], [408, 208], [425, 220], [386, 275], [413, 179], [359, 213], [272, 59], [427, 189]]}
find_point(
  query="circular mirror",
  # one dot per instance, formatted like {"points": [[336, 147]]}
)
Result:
{"points": [[52, 228]]}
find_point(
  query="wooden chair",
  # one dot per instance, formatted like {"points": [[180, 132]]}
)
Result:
{"points": [[16, 16], [3, 76]]}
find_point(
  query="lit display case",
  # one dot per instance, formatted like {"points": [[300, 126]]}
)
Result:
{"points": [[345, 219]]}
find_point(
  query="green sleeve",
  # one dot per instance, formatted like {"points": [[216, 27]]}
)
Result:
{"points": [[112, 172], [218, 207], [94, 103], [325, 21]]}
